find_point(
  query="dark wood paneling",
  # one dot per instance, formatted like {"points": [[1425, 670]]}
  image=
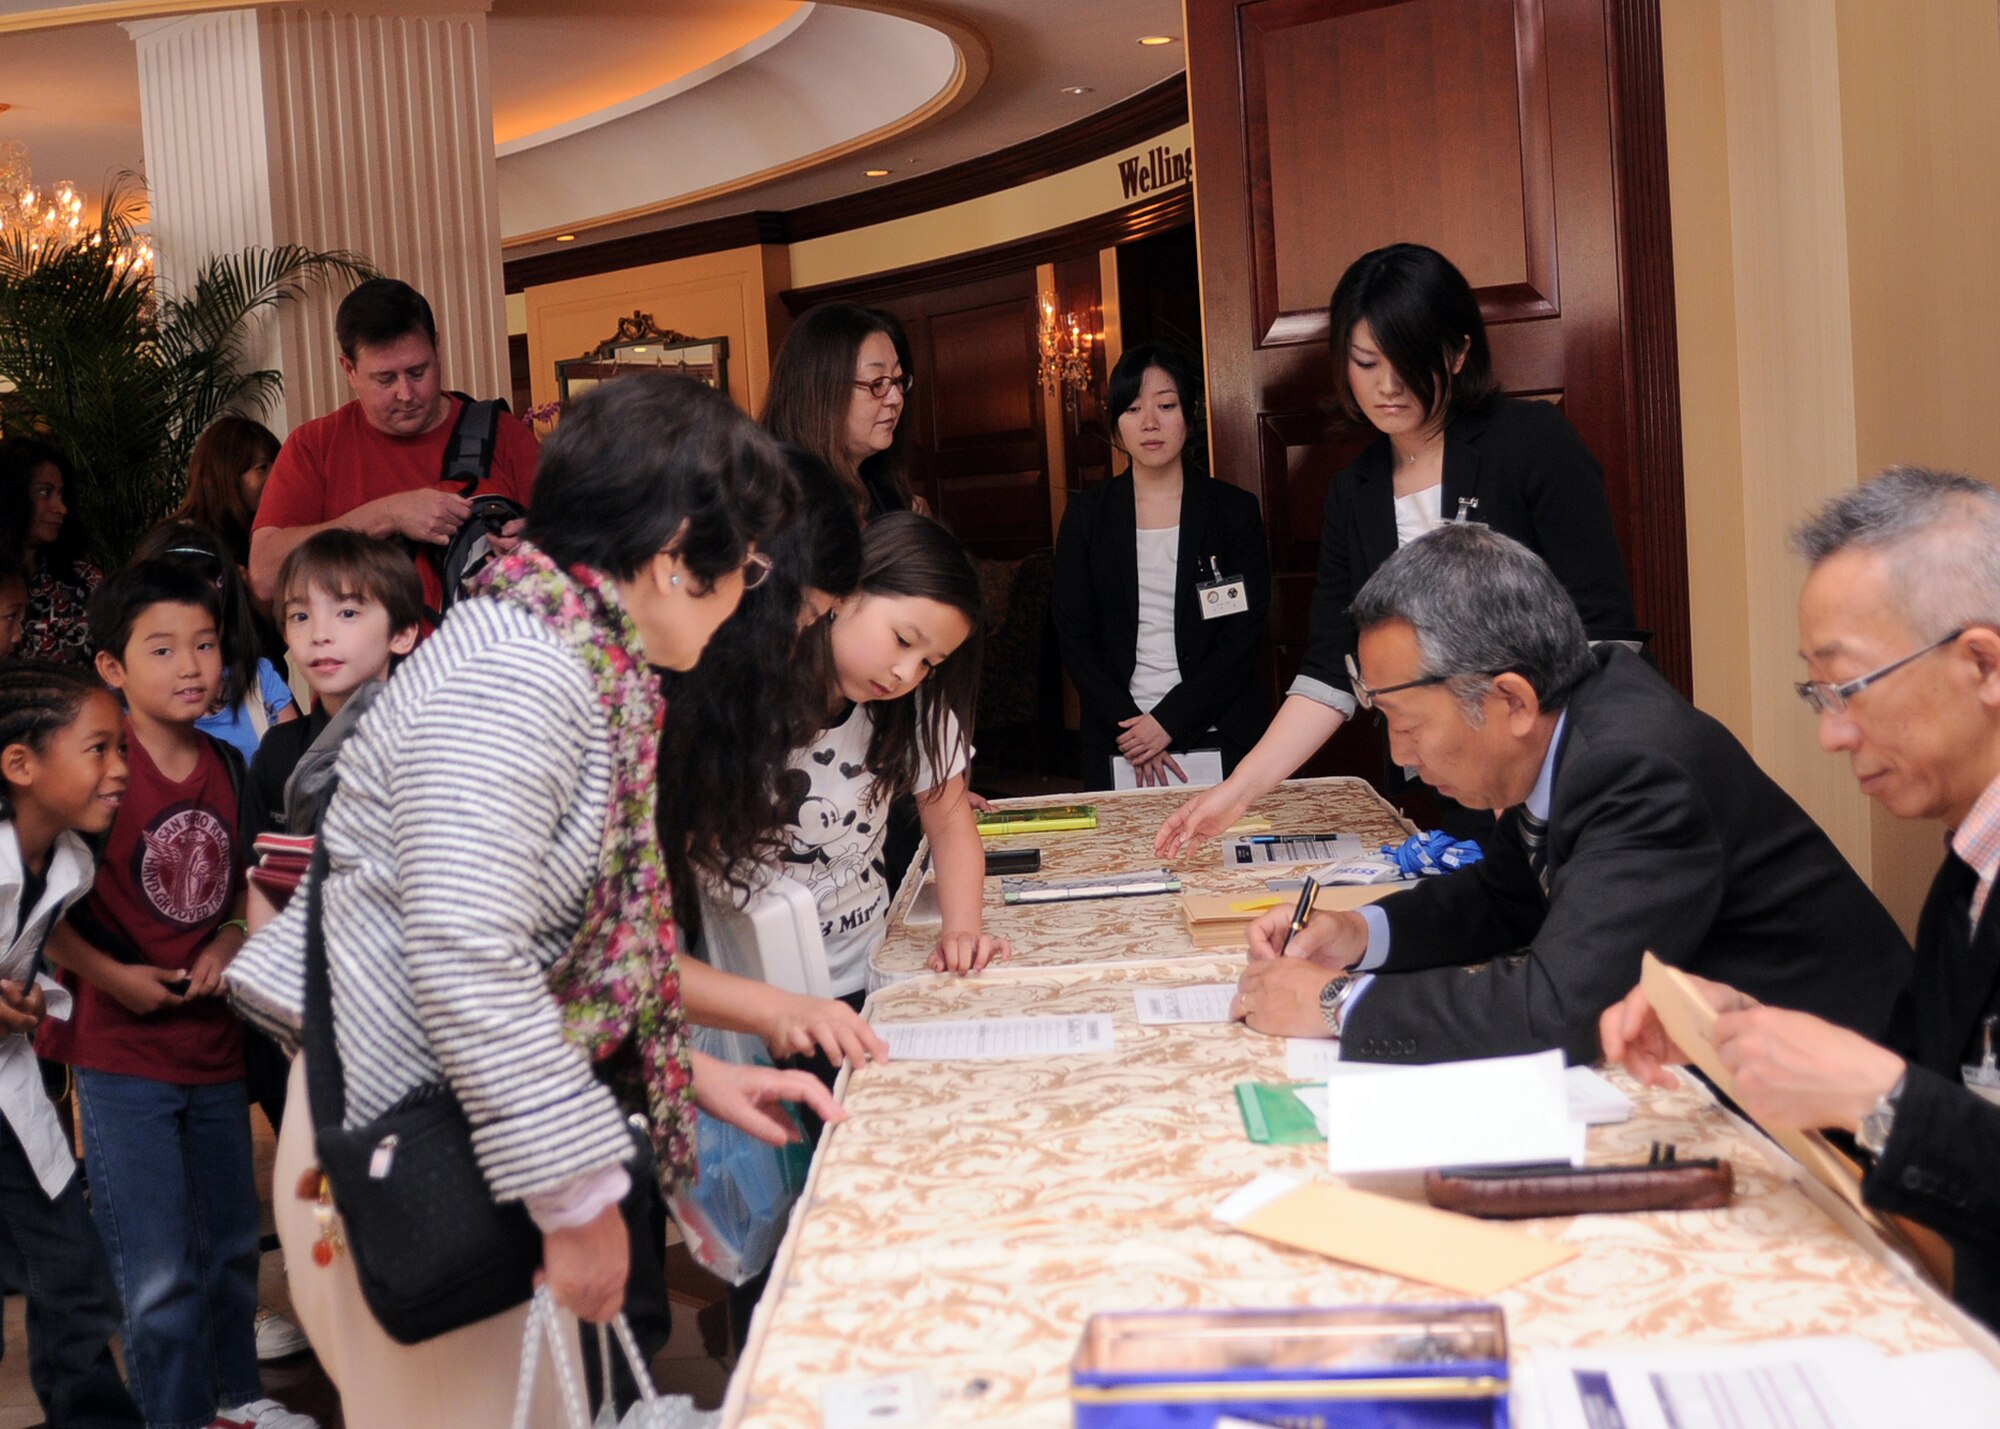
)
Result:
{"points": [[581, 260], [520, 379], [1486, 129], [1144, 116], [1106, 230], [978, 356], [1086, 444]]}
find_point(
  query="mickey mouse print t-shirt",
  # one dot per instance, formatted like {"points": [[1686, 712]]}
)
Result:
{"points": [[838, 815]]}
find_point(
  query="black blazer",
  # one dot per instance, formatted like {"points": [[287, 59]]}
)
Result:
{"points": [[1663, 835], [1941, 1166], [1096, 611], [1534, 480]]}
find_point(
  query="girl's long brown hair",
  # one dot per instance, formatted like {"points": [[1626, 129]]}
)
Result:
{"points": [[226, 448]]}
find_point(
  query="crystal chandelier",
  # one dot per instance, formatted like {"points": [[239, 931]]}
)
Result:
{"points": [[1065, 343], [52, 213]]}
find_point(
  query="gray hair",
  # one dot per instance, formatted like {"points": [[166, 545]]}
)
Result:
{"points": [[1481, 604], [1938, 531]]}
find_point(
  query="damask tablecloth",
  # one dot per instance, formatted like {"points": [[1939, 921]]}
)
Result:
{"points": [[969, 1217], [1119, 928]]}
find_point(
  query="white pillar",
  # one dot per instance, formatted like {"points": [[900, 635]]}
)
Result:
{"points": [[333, 127]]}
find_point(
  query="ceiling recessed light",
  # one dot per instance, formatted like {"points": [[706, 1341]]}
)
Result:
{"points": [[877, 173], [565, 238], [1076, 89], [1156, 39]]}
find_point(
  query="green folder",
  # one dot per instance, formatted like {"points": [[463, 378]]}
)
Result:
{"points": [[1274, 1116]]}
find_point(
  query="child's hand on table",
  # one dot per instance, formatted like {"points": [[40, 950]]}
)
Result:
{"points": [[968, 952]]}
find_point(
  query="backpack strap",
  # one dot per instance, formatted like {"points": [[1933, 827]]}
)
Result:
{"points": [[468, 451], [239, 772]]}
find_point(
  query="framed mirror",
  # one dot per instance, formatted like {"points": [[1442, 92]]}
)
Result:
{"points": [[640, 345]]}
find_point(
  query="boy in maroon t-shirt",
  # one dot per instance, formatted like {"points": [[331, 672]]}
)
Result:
{"points": [[157, 1052]]}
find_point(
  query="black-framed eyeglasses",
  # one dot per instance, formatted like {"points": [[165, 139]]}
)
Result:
{"points": [[1366, 697], [1825, 697], [878, 387]]}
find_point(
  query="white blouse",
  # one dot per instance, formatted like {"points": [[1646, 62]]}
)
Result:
{"points": [[1158, 668]]}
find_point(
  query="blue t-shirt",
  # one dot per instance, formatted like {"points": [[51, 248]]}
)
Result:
{"points": [[233, 724]]}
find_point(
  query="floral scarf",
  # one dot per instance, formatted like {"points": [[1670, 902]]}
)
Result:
{"points": [[619, 982]]}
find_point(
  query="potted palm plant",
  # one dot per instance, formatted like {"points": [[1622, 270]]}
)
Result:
{"points": [[123, 374]]}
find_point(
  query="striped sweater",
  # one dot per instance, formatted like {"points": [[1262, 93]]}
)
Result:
{"points": [[463, 843]]}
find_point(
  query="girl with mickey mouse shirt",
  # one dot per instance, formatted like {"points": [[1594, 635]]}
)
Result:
{"points": [[905, 660]]}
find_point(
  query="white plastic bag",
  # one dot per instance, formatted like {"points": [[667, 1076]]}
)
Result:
{"points": [[653, 1411]]}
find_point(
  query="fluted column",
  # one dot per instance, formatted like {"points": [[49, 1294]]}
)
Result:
{"points": [[337, 127]]}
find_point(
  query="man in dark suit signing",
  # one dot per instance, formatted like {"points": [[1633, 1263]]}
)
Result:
{"points": [[1899, 624], [1630, 822]]}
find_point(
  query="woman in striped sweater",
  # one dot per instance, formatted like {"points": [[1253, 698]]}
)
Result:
{"points": [[496, 913]]}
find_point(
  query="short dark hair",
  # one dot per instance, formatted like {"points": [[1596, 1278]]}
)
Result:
{"points": [[37, 698], [1130, 374], [1421, 311], [117, 604], [635, 458], [191, 544], [346, 563], [1481, 604], [904, 554], [378, 312]]}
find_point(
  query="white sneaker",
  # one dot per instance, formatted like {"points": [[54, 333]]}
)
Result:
{"points": [[277, 1337], [261, 1414]]}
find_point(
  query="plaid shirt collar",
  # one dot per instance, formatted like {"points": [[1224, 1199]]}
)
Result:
{"points": [[1977, 841]]}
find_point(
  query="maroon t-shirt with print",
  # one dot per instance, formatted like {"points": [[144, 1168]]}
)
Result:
{"points": [[168, 878]]}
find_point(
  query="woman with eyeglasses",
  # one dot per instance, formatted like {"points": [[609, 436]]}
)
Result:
{"points": [[1410, 345], [38, 528], [840, 389], [497, 919]]}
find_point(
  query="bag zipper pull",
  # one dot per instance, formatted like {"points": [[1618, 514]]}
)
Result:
{"points": [[383, 1159]]}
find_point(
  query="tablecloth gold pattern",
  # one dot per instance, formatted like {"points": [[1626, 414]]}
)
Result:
{"points": [[1111, 929], [971, 1216]]}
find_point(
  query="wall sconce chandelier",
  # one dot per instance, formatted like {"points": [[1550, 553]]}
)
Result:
{"points": [[1066, 342]]}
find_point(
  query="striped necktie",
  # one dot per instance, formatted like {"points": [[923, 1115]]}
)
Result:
{"points": [[1535, 838]]}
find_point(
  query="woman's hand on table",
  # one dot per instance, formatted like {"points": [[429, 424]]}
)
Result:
{"points": [[964, 952], [585, 1266], [797, 1025], [1152, 774], [751, 1098], [1202, 817]]}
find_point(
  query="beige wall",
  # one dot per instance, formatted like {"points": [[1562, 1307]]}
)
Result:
{"points": [[1835, 198], [733, 295]]}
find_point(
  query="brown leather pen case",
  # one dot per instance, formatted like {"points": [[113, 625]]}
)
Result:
{"points": [[1515, 1193]]}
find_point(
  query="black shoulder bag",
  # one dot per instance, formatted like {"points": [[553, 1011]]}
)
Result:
{"points": [[432, 1249]]}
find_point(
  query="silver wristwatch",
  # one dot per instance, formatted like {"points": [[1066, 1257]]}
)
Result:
{"points": [[1873, 1134], [1330, 998]]}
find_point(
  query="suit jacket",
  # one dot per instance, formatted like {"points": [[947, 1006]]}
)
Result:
{"points": [[1941, 1166], [1533, 479], [1663, 835], [1096, 611]]}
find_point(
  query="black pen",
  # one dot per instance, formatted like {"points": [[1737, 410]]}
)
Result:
{"points": [[1300, 914]]}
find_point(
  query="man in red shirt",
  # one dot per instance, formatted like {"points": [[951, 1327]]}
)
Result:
{"points": [[377, 464]]}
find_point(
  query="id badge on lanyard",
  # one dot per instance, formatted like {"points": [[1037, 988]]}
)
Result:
{"points": [[1983, 1077], [1224, 595]]}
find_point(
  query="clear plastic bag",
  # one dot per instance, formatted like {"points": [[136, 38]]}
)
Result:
{"points": [[735, 1214]]}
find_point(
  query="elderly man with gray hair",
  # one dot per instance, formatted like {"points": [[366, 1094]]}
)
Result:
{"points": [[1630, 821], [1899, 626]]}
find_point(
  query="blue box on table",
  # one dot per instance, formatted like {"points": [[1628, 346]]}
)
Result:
{"points": [[1350, 1367]]}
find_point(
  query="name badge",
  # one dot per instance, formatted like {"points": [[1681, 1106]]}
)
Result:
{"points": [[1983, 1077], [1224, 595]]}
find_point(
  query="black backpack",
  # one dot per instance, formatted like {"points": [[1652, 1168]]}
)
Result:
{"points": [[468, 461]]}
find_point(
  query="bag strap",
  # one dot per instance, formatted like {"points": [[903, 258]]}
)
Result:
{"points": [[468, 451], [326, 1087]]}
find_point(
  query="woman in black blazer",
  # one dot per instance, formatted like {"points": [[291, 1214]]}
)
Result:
{"points": [[1406, 330], [1162, 585]]}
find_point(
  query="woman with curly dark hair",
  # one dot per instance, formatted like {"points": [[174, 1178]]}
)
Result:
{"points": [[37, 525]]}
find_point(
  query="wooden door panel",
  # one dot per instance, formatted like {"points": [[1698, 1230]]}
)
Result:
{"points": [[979, 357], [1525, 140], [1378, 123]]}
